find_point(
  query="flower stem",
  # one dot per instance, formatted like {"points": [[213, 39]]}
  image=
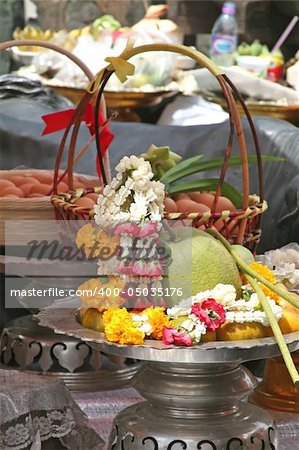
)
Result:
{"points": [[276, 331], [245, 268]]}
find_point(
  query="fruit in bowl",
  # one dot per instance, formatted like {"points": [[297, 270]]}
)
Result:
{"points": [[25, 184], [184, 286]]}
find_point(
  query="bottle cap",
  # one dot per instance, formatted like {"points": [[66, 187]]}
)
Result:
{"points": [[229, 8]]}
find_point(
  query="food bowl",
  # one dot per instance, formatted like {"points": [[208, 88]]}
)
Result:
{"points": [[254, 64]]}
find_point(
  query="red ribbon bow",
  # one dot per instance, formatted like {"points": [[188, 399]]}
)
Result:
{"points": [[59, 120]]}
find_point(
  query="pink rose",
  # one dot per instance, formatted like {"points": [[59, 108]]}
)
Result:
{"points": [[125, 268], [210, 312], [155, 270], [171, 335], [148, 229], [127, 228]]}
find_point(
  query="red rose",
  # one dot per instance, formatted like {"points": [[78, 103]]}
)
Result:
{"points": [[210, 312]]}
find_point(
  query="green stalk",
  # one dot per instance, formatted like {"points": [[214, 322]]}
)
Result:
{"points": [[248, 270], [276, 331]]}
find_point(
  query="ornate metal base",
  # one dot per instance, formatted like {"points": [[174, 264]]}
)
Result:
{"points": [[26, 346], [193, 406]]}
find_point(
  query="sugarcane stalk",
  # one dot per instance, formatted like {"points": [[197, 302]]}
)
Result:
{"points": [[249, 271], [276, 330]]}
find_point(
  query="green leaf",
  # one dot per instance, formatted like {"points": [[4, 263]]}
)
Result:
{"points": [[196, 166], [208, 184], [186, 163]]}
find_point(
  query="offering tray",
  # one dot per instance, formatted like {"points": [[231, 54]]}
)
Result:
{"points": [[194, 395], [125, 101], [263, 108]]}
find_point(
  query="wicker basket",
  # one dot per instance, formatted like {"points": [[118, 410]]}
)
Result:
{"points": [[32, 209], [240, 226]]}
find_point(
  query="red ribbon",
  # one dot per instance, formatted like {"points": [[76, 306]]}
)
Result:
{"points": [[59, 120]]}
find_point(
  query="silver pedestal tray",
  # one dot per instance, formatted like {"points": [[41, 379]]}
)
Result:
{"points": [[27, 347], [194, 395]]}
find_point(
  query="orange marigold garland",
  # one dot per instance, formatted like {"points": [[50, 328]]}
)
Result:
{"points": [[93, 240], [119, 327], [95, 293], [265, 272], [158, 320]]}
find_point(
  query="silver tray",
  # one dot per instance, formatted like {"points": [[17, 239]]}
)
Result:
{"points": [[64, 321]]}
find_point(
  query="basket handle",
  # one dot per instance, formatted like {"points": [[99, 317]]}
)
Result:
{"points": [[45, 44], [228, 89], [23, 42]]}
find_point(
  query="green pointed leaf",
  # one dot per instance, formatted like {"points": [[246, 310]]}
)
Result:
{"points": [[216, 163], [181, 166], [208, 184]]}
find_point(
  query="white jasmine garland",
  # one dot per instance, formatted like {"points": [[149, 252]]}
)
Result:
{"points": [[222, 293], [199, 330], [141, 322], [176, 312], [258, 316], [134, 177]]}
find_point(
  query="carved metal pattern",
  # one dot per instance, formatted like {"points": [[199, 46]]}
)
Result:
{"points": [[232, 441], [115, 438], [26, 346], [177, 441], [213, 446], [153, 440], [271, 432]]}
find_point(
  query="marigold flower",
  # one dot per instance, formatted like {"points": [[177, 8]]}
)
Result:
{"points": [[132, 336], [158, 320], [265, 272], [119, 327], [94, 241], [96, 294]]}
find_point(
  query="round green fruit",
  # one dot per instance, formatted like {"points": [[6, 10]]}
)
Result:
{"points": [[198, 263]]}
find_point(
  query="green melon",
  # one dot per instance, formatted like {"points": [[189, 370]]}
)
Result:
{"points": [[199, 263]]}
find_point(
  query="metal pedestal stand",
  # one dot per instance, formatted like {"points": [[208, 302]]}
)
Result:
{"points": [[193, 406], [194, 395]]}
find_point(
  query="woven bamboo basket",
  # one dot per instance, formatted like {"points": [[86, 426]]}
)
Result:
{"points": [[240, 226], [41, 208], [22, 215]]}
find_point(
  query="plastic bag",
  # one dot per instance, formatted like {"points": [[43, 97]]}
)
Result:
{"points": [[285, 264]]}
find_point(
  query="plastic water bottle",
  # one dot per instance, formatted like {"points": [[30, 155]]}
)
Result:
{"points": [[224, 36]]}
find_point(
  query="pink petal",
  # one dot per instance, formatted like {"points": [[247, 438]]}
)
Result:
{"points": [[182, 339], [167, 335], [148, 229]]}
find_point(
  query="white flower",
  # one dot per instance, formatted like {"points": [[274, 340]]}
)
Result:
{"points": [[176, 311], [156, 216], [114, 183], [188, 324], [258, 316], [122, 165], [143, 171], [129, 184], [198, 331], [126, 240], [142, 323], [108, 267], [138, 211], [222, 293], [107, 191]]}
